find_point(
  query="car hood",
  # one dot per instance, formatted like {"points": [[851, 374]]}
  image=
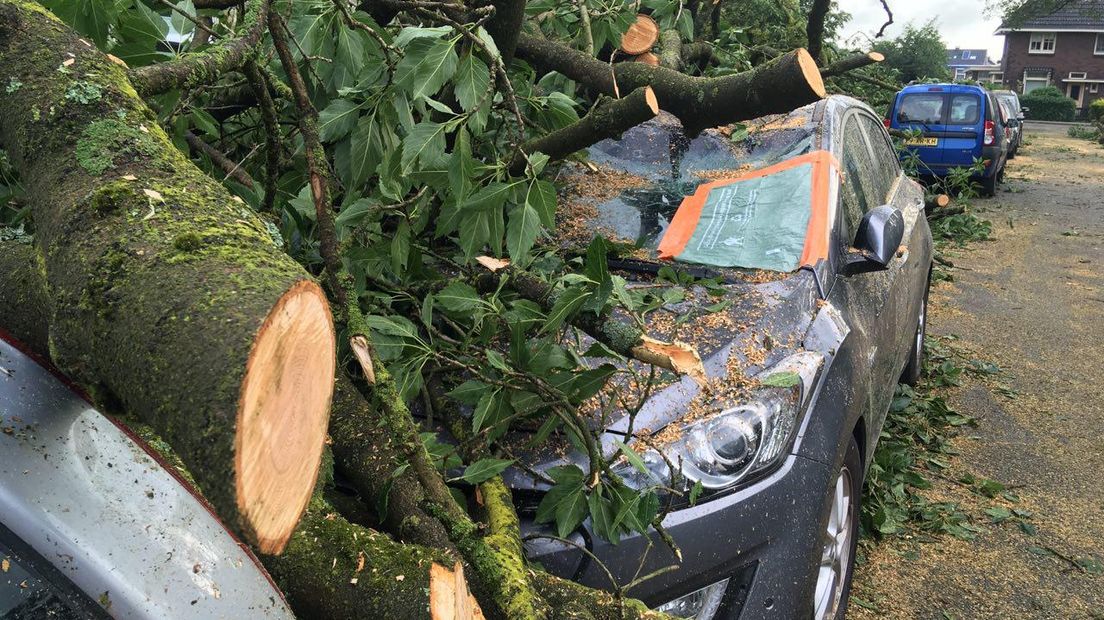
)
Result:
{"points": [[763, 323]]}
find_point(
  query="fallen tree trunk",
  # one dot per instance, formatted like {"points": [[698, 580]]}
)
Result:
{"points": [[933, 202], [608, 119], [640, 37], [24, 304], [167, 298], [787, 82]]}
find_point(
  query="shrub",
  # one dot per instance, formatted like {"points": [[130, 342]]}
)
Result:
{"points": [[1048, 104], [1096, 111]]}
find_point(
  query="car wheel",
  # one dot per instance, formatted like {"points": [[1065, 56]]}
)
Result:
{"points": [[989, 184], [841, 533], [911, 374]]}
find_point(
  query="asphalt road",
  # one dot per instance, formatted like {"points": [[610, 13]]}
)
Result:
{"points": [[1032, 301]]}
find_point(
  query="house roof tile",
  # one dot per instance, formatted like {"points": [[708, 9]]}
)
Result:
{"points": [[1072, 15]]}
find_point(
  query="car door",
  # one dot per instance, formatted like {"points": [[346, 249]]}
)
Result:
{"points": [[871, 302], [964, 128], [906, 275]]}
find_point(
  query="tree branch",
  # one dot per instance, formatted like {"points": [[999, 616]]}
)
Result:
{"points": [[855, 61], [608, 119], [814, 28], [781, 85], [207, 66], [230, 167]]}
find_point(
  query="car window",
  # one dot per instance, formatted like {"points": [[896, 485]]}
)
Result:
{"points": [[921, 108], [886, 168], [30, 589], [858, 171], [965, 109]]}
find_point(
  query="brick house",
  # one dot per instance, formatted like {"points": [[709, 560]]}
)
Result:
{"points": [[972, 65], [1063, 49]]}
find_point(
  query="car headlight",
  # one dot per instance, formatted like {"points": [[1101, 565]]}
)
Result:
{"points": [[726, 448]]}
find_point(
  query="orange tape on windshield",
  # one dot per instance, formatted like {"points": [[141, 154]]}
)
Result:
{"points": [[689, 212]]}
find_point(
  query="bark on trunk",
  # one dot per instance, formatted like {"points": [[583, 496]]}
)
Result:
{"points": [[24, 303], [670, 50], [787, 82], [168, 298], [814, 28], [607, 120]]}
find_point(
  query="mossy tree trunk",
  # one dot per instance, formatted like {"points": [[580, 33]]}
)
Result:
{"points": [[168, 299]]}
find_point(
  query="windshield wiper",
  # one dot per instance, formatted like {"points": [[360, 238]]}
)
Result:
{"points": [[634, 265]]}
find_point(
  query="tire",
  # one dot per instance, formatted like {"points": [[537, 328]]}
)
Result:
{"points": [[832, 604], [989, 184], [915, 366]]}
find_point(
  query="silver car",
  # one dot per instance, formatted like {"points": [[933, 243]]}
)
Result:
{"points": [[93, 525]]}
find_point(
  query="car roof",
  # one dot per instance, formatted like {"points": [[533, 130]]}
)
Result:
{"points": [[944, 87], [90, 499]]}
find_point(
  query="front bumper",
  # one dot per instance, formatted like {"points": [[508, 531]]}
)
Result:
{"points": [[765, 538]]}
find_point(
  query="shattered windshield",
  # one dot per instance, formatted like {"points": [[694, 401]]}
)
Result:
{"points": [[633, 187]]}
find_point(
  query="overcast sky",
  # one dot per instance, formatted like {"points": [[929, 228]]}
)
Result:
{"points": [[963, 23]]}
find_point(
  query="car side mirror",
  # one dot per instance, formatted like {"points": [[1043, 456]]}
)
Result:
{"points": [[876, 242]]}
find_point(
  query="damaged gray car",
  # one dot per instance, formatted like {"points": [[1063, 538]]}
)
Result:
{"points": [[807, 259]]}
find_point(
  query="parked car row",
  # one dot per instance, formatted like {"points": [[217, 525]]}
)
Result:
{"points": [[955, 125]]}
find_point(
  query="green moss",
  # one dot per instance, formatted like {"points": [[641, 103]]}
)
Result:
{"points": [[188, 242], [110, 197], [13, 85], [105, 140]]}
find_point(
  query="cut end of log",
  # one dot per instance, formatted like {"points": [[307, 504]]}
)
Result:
{"points": [[811, 72], [449, 598], [641, 36], [650, 99], [876, 56], [678, 356], [283, 415], [647, 58]]}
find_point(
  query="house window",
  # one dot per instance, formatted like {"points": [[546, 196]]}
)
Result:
{"points": [[1094, 88], [1099, 49], [1042, 43], [996, 78], [1034, 80], [960, 74], [1078, 75]]}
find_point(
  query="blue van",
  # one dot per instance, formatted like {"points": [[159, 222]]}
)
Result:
{"points": [[958, 123]]}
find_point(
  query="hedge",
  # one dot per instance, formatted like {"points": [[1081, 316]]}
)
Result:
{"points": [[1096, 111], [1048, 104]]}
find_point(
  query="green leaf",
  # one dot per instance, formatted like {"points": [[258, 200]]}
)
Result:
{"points": [[782, 379], [337, 120], [472, 80], [142, 25], [459, 298], [365, 150], [426, 65], [469, 392], [601, 517], [354, 213], [497, 361], [522, 232], [542, 197], [631, 456], [484, 469], [597, 269], [182, 24], [425, 141], [461, 168], [487, 403], [566, 304], [410, 33], [590, 382], [565, 503], [695, 492], [998, 514]]}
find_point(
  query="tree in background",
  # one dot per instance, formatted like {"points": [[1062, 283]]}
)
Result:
{"points": [[919, 53]]}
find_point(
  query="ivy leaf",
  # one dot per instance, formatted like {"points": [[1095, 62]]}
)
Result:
{"points": [[426, 141], [522, 232], [472, 80], [426, 65], [782, 379], [566, 502], [337, 120], [484, 469]]}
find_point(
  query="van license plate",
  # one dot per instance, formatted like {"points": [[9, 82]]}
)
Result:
{"points": [[922, 142]]}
